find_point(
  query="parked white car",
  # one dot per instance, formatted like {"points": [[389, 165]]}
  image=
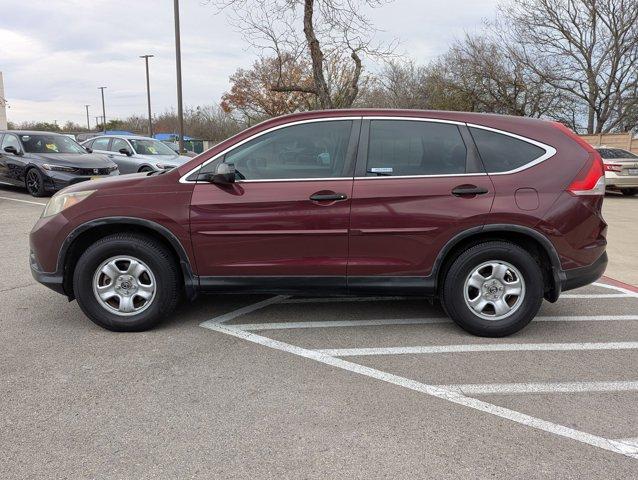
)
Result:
{"points": [[134, 153], [621, 169]]}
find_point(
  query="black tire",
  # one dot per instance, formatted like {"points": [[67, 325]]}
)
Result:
{"points": [[34, 182], [453, 295], [159, 260], [630, 192], [145, 169]]}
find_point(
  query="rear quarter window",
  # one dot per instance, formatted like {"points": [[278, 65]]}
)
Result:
{"points": [[502, 153]]}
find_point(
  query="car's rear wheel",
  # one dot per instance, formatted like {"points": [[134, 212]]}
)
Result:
{"points": [[126, 282], [493, 289], [34, 183], [629, 191]]}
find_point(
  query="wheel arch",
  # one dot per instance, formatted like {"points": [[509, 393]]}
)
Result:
{"points": [[84, 235], [537, 244]]}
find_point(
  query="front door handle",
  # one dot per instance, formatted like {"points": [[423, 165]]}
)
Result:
{"points": [[328, 197], [463, 190]]}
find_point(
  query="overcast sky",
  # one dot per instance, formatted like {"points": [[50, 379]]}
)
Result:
{"points": [[55, 53]]}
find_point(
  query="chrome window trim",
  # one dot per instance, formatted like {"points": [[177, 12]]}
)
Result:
{"points": [[549, 150], [259, 134]]}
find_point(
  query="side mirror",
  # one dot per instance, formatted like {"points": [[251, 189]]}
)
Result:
{"points": [[12, 149], [125, 151], [88, 149], [224, 174]]}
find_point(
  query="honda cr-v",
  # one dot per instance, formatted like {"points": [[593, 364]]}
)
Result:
{"points": [[490, 214]]}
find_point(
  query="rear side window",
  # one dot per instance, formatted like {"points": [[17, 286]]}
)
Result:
{"points": [[502, 153], [405, 147], [101, 143]]}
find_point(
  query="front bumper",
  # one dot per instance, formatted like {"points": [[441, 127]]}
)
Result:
{"points": [[579, 277], [54, 281], [55, 181]]}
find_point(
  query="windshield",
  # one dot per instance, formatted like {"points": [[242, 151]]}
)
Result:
{"points": [[150, 147], [615, 153], [50, 144]]}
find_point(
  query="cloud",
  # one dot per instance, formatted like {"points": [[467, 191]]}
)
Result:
{"points": [[55, 53]]}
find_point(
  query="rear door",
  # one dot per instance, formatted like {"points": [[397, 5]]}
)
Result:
{"points": [[284, 223], [418, 183]]}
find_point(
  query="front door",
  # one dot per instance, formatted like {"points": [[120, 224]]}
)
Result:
{"points": [[284, 223], [418, 183]]}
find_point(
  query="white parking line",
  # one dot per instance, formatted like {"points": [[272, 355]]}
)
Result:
{"points": [[560, 387], [23, 201], [595, 295], [618, 289], [629, 441], [442, 393], [244, 310], [415, 321], [481, 347]]}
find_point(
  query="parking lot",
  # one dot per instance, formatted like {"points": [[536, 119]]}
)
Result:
{"points": [[291, 387]]}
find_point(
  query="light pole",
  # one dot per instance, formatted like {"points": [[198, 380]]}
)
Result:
{"points": [[103, 110], [148, 95], [97, 122], [178, 66], [88, 123]]}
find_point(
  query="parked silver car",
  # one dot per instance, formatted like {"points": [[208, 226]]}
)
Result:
{"points": [[135, 153], [621, 169]]}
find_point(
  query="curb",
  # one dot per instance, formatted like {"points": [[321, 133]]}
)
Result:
{"points": [[618, 283]]}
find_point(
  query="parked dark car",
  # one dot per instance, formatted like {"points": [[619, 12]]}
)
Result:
{"points": [[488, 213], [44, 162]]}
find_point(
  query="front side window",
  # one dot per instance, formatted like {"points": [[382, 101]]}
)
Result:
{"points": [[117, 144], [50, 144], [101, 143], [409, 147], [150, 147], [502, 153], [309, 150], [11, 141]]}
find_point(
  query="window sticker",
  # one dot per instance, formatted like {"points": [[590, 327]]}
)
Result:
{"points": [[381, 170]]}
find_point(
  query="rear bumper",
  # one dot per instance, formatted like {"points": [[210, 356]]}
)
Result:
{"points": [[620, 181], [579, 277]]}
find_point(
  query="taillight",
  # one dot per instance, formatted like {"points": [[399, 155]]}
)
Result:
{"points": [[591, 178], [613, 167]]}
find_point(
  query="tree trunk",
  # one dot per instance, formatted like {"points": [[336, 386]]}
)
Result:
{"points": [[316, 55]]}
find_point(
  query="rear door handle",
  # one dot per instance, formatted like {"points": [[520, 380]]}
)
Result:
{"points": [[328, 197], [463, 190]]}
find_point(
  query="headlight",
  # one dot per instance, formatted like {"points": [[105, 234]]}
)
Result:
{"points": [[58, 168], [164, 166], [113, 168], [62, 201]]}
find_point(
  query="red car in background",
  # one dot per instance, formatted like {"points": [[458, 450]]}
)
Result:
{"points": [[488, 213]]}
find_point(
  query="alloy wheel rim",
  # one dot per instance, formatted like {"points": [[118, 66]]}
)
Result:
{"points": [[124, 285], [32, 182], [494, 290]]}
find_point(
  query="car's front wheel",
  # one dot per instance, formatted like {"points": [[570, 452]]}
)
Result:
{"points": [[493, 289], [126, 282], [34, 183], [629, 191]]}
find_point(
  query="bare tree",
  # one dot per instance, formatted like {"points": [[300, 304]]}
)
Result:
{"points": [[321, 33], [587, 49], [483, 74]]}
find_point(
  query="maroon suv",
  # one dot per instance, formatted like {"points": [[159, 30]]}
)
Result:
{"points": [[489, 213]]}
